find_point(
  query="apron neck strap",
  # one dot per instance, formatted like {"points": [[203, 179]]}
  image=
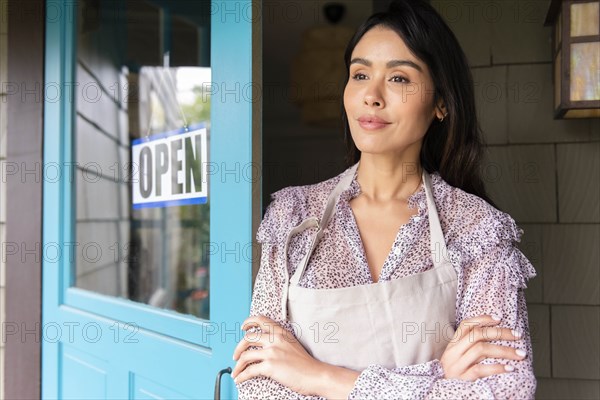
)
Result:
{"points": [[343, 184], [439, 252], [437, 244]]}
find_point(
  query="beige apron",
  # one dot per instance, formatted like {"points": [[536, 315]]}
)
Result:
{"points": [[393, 323]]}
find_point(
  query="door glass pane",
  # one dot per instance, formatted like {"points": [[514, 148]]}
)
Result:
{"points": [[585, 64], [584, 19], [143, 75]]}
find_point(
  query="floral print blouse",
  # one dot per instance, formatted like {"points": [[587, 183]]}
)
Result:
{"points": [[492, 273]]}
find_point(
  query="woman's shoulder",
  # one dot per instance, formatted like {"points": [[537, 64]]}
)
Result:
{"points": [[475, 229], [467, 217], [292, 204]]}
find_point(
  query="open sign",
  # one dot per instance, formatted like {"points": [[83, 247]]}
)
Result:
{"points": [[170, 169]]}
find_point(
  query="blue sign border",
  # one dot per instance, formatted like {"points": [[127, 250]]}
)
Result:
{"points": [[170, 203], [164, 135]]}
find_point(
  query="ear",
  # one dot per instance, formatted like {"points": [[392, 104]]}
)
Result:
{"points": [[440, 110]]}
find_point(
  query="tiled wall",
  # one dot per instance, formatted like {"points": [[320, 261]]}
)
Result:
{"points": [[3, 126], [101, 152], [546, 174]]}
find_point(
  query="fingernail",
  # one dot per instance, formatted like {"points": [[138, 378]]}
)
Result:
{"points": [[509, 368], [516, 333], [496, 317], [521, 352]]}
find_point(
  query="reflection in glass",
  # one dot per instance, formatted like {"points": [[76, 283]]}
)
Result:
{"points": [[142, 69], [584, 19], [585, 64]]}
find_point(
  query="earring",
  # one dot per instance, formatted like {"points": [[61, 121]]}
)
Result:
{"points": [[443, 116]]}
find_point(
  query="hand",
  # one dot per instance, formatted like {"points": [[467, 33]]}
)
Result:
{"points": [[470, 346], [280, 357]]}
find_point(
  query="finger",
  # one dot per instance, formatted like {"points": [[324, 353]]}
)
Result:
{"points": [[266, 324], [482, 350], [246, 358], [484, 333], [258, 339], [492, 333], [479, 371], [255, 320], [467, 325], [251, 371], [251, 338], [261, 339]]}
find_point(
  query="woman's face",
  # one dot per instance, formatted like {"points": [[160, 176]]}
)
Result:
{"points": [[389, 95]]}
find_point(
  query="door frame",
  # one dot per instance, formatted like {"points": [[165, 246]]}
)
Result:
{"points": [[61, 301], [23, 224]]}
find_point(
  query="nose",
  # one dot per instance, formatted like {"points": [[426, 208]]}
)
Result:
{"points": [[373, 97], [370, 101]]}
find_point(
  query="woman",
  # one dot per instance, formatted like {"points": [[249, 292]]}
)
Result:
{"points": [[397, 278]]}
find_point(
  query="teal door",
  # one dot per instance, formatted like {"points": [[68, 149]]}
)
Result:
{"points": [[148, 183]]}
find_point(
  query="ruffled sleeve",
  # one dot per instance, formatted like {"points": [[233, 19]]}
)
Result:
{"points": [[518, 268], [285, 211], [484, 230]]}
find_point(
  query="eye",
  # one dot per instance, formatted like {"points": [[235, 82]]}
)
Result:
{"points": [[400, 79], [359, 76]]}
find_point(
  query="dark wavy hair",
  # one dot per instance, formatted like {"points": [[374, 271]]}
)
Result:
{"points": [[454, 147]]}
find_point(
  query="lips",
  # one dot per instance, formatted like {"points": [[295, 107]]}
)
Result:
{"points": [[371, 122]]}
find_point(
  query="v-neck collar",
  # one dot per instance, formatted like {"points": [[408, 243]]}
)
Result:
{"points": [[402, 241]]}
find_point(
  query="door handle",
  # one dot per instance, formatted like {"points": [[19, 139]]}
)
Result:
{"points": [[218, 382]]}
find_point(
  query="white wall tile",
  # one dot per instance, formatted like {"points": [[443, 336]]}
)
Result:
{"points": [[562, 389], [95, 104], [125, 185], [571, 264], [530, 94], [126, 253], [124, 127], [578, 168], [521, 180], [96, 198], [96, 51], [97, 246], [531, 246], [539, 327], [468, 21], [125, 199], [97, 151], [575, 342], [102, 280], [490, 97]]}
